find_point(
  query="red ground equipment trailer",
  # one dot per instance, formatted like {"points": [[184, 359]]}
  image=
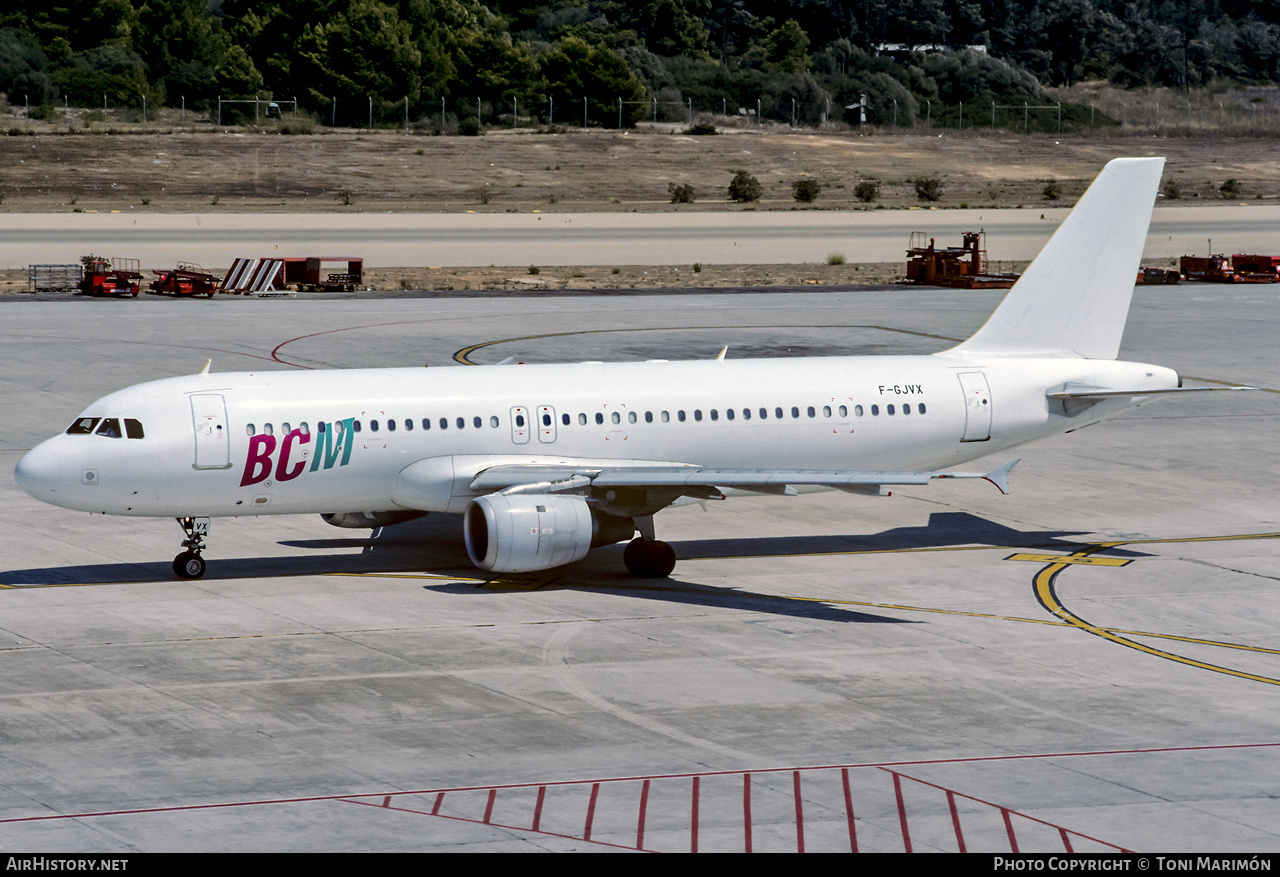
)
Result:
{"points": [[323, 274], [1257, 269], [186, 279], [964, 267], [117, 277], [1240, 268]]}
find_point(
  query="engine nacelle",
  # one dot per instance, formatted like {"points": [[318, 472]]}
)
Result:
{"points": [[369, 520], [528, 532]]}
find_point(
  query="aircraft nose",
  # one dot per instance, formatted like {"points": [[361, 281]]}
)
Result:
{"points": [[39, 472]]}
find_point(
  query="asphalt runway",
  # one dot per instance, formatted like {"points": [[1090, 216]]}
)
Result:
{"points": [[1091, 662], [406, 240]]}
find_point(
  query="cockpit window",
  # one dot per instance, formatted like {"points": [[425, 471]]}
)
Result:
{"points": [[83, 426], [110, 428], [133, 428]]}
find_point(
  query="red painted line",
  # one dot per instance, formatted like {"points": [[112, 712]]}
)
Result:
{"points": [[1003, 810], [693, 820], [902, 811], [386, 802], [488, 807], [537, 808], [644, 805], [848, 809], [1008, 826], [591, 812], [478, 822], [1066, 840], [435, 810], [884, 765], [795, 786], [746, 809], [955, 819]]}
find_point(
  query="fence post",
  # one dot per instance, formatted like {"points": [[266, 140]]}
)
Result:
{"points": [[960, 127], [619, 114], [584, 113]]}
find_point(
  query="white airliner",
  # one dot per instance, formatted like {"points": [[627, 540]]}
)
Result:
{"points": [[550, 461]]}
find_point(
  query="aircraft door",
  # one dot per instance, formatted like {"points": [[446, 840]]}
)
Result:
{"points": [[213, 443], [977, 406], [546, 424], [520, 426]]}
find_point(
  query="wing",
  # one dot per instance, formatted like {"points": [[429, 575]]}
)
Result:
{"points": [[639, 489]]}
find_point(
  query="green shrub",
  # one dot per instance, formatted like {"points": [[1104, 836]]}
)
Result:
{"points": [[470, 127], [806, 191], [744, 187], [682, 194], [867, 191], [1230, 189], [1052, 190], [701, 128], [835, 258], [927, 188], [1172, 189]]}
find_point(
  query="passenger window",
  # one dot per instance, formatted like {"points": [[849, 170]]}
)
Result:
{"points": [[795, 412], [133, 428], [715, 415], [697, 414], [303, 428], [582, 419], [444, 423], [493, 421], [906, 409], [648, 417], [631, 417], [546, 419], [110, 427], [813, 413], [826, 410], [268, 430], [599, 418], [391, 425], [728, 413], [666, 418], [519, 420], [875, 410], [680, 416], [615, 417], [888, 409], [355, 425], [920, 408], [461, 422], [475, 421], [564, 418], [248, 429], [373, 426], [844, 412], [777, 412], [857, 409], [284, 429], [426, 423]]}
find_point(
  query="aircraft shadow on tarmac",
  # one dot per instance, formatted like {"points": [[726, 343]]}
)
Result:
{"points": [[435, 543]]}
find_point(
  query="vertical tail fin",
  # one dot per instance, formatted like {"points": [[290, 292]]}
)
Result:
{"points": [[1073, 299]]}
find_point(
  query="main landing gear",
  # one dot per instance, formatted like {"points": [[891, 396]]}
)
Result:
{"points": [[647, 557], [189, 564]]}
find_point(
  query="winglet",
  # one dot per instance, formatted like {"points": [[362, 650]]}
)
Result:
{"points": [[720, 355], [1000, 477], [205, 370]]}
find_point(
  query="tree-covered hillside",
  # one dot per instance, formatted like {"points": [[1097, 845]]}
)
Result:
{"points": [[800, 60]]}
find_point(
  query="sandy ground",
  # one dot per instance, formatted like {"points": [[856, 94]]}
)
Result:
{"points": [[244, 170], [178, 170]]}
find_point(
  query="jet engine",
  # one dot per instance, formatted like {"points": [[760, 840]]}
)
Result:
{"points": [[369, 520], [527, 532]]}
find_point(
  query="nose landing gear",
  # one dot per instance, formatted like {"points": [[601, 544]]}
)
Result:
{"points": [[189, 564]]}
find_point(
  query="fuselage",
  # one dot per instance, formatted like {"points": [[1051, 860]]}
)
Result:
{"points": [[252, 443]]}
